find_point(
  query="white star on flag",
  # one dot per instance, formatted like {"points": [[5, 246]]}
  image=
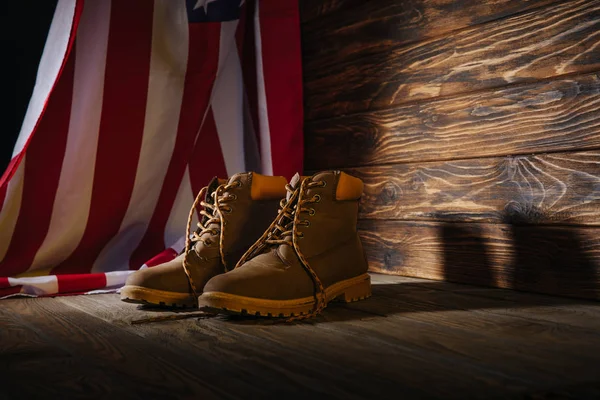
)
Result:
{"points": [[204, 4]]}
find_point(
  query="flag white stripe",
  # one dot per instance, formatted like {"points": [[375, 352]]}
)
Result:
{"points": [[36, 286], [11, 208], [227, 101], [263, 112], [116, 279], [74, 192], [179, 244], [168, 63], [49, 67], [176, 224]]}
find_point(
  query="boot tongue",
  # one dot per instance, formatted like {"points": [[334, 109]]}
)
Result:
{"points": [[242, 176], [212, 186], [295, 184]]}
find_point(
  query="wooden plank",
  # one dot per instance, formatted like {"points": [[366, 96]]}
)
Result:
{"points": [[531, 306], [539, 44], [263, 358], [25, 355], [555, 260], [580, 313], [338, 29], [335, 363], [357, 343], [545, 116], [433, 341], [486, 333], [101, 358], [559, 188]]}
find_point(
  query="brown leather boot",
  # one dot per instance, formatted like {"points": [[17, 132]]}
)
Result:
{"points": [[311, 254], [234, 215]]}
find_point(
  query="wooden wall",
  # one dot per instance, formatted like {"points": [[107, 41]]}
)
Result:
{"points": [[475, 125]]}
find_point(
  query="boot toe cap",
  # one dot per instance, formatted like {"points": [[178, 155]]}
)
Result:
{"points": [[138, 278], [169, 276], [258, 280], [227, 283]]}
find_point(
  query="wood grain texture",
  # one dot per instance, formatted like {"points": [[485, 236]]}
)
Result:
{"points": [[435, 339], [86, 358], [281, 364], [529, 306], [554, 189], [555, 260], [555, 40], [338, 29], [545, 116]]}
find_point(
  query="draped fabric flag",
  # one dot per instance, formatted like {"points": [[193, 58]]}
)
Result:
{"points": [[137, 105]]}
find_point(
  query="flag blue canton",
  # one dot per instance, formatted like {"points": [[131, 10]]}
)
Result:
{"points": [[213, 10]]}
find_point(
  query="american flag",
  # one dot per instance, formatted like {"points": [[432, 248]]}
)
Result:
{"points": [[137, 105]]}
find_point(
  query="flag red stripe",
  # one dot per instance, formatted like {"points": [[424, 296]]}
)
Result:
{"points": [[4, 283], [80, 282], [11, 169], [6, 289], [199, 80], [166, 255], [200, 175], [42, 172], [282, 69], [3, 190], [121, 129]]}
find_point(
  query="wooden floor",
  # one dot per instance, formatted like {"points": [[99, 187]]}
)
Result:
{"points": [[413, 339]]}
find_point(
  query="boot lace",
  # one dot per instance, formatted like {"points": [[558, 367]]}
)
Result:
{"points": [[283, 230], [211, 214]]}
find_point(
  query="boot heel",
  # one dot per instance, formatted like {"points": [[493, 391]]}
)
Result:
{"points": [[358, 291]]}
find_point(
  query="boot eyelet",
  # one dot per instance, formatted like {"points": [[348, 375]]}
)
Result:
{"points": [[323, 183], [238, 183], [311, 211], [208, 242], [306, 223], [300, 235], [317, 198], [233, 196]]}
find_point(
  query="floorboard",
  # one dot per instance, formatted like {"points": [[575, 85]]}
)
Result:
{"points": [[414, 338]]}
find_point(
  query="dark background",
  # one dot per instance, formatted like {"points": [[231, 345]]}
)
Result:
{"points": [[25, 25]]}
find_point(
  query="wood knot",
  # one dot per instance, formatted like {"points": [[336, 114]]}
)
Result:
{"points": [[416, 183], [392, 259], [389, 193]]}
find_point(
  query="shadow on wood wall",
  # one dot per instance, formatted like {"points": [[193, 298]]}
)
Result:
{"points": [[544, 259]]}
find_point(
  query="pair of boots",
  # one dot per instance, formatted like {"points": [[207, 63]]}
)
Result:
{"points": [[266, 248]]}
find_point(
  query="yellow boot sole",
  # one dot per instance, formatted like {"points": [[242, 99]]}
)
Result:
{"points": [[163, 298], [347, 291]]}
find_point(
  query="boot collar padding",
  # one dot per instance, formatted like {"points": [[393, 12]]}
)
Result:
{"points": [[267, 187], [348, 187]]}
